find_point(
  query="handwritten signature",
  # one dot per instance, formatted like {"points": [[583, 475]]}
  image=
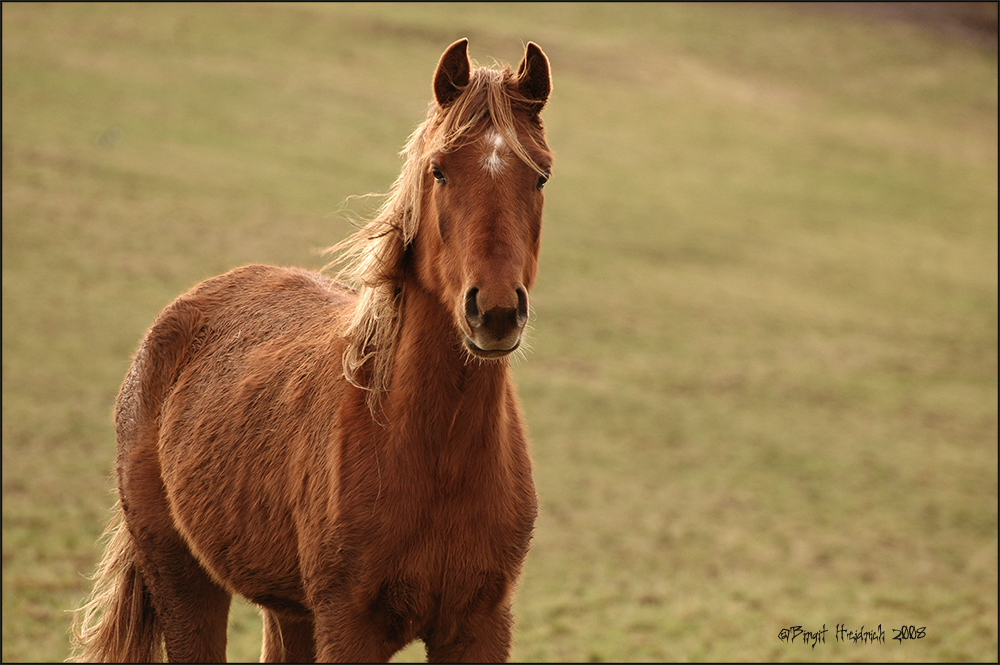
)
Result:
{"points": [[842, 634]]}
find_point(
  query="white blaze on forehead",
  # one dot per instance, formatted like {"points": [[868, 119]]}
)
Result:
{"points": [[494, 149]]}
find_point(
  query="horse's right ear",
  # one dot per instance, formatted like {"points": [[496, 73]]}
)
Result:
{"points": [[452, 73]]}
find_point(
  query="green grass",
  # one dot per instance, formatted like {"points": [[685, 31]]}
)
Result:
{"points": [[762, 388]]}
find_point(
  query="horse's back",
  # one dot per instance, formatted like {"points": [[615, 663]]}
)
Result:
{"points": [[219, 395], [222, 320], [268, 301]]}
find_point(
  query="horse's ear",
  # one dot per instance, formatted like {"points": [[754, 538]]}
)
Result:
{"points": [[533, 78], [452, 73]]}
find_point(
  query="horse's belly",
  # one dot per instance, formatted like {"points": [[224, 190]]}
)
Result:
{"points": [[230, 498], [240, 534]]}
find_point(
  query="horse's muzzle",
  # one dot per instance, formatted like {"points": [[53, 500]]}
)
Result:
{"points": [[494, 331]]}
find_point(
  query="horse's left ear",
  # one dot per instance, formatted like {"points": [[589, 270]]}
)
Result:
{"points": [[533, 78]]}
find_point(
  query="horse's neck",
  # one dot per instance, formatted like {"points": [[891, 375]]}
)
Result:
{"points": [[441, 401]]}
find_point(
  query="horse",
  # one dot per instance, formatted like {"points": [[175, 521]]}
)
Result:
{"points": [[347, 452]]}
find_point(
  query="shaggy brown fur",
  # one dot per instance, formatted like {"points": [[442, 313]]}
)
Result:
{"points": [[352, 460]]}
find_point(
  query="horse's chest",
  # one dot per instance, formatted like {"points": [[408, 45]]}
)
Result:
{"points": [[451, 550], [474, 531]]}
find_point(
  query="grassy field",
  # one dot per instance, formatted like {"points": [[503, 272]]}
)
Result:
{"points": [[762, 385]]}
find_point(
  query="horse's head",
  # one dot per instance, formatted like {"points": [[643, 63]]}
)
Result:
{"points": [[486, 162]]}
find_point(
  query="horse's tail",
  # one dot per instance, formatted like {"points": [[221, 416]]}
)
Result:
{"points": [[117, 623]]}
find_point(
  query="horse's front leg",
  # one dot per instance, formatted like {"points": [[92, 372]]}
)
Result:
{"points": [[348, 634], [485, 637], [477, 631], [287, 639]]}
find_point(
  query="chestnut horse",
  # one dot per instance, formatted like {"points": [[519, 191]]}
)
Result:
{"points": [[351, 460]]}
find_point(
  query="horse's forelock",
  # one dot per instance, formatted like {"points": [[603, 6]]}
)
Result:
{"points": [[491, 93]]}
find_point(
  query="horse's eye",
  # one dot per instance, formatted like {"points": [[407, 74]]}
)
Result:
{"points": [[436, 172], [542, 179]]}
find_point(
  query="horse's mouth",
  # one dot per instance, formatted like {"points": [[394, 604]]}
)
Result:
{"points": [[489, 353]]}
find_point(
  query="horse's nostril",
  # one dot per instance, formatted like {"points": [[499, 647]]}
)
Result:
{"points": [[522, 307], [472, 315]]}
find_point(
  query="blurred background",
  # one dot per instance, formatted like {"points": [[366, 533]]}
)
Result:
{"points": [[762, 384]]}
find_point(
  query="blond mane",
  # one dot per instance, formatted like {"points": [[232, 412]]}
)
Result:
{"points": [[371, 259]]}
